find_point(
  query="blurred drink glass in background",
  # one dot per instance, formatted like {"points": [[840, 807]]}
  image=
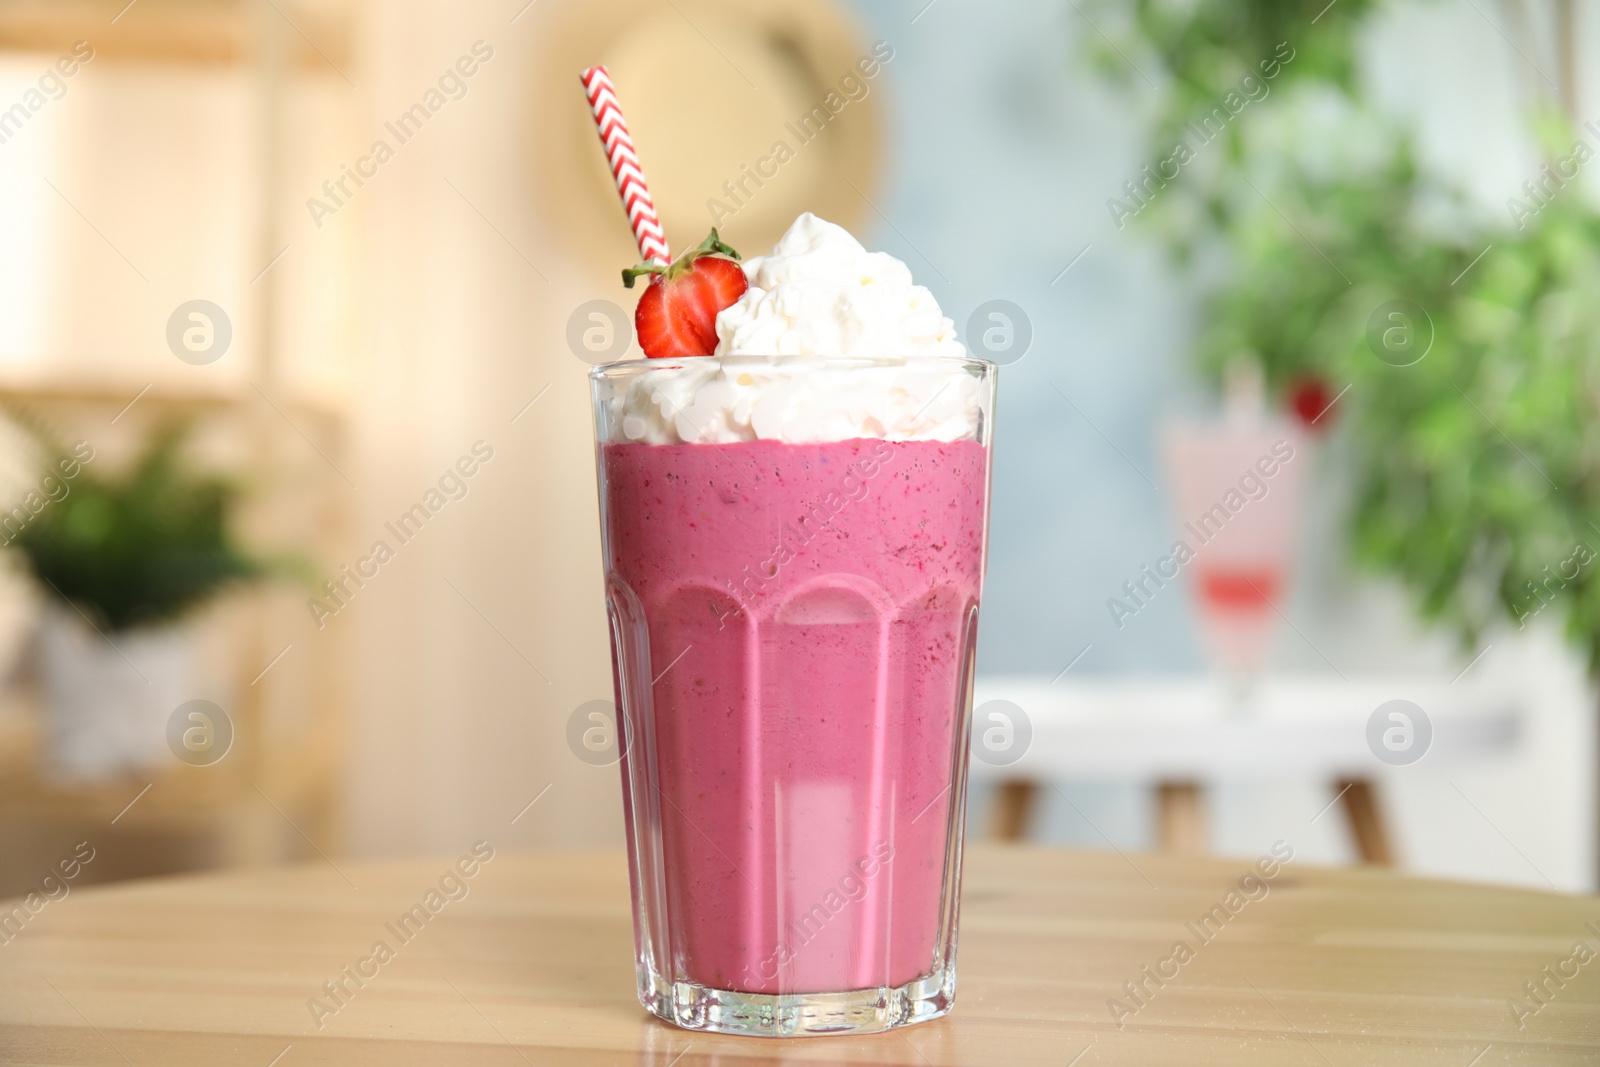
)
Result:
{"points": [[1235, 482]]}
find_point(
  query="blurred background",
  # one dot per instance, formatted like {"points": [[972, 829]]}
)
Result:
{"points": [[299, 297]]}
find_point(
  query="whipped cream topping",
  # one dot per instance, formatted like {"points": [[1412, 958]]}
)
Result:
{"points": [[741, 398], [819, 293]]}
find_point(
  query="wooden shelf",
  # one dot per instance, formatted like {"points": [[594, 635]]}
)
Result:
{"points": [[104, 393], [179, 797], [190, 32], [283, 771]]}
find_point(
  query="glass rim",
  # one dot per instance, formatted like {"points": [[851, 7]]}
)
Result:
{"points": [[627, 368]]}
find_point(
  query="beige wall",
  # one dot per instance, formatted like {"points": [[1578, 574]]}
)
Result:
{"points": [[453, 731], [463, 319]]}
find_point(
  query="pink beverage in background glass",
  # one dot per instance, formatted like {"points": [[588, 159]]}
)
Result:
{"points": [[1244, 590], [794, 626]]}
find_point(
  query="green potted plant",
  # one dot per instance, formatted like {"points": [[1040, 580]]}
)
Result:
{"points": [[1464, 342], [122, 557]]}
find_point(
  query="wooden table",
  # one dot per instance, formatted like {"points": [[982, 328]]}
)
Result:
{"points": [[534, 966]]}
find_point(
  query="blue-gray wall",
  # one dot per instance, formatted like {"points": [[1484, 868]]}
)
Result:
{"points": [[1006, 150]]}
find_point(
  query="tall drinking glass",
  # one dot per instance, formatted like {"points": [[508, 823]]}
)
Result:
{"points": [[793, 595], [1236, 485]]}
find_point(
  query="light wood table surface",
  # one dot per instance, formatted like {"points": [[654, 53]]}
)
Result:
{"points": [[534, 966]]}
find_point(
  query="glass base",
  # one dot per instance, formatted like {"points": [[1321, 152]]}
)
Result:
{"points": [[858, 1011]]}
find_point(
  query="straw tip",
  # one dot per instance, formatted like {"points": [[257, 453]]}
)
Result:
{"points": [[590, 72]]}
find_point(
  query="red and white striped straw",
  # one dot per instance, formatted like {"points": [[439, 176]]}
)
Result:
{"points": [[625, 166]]}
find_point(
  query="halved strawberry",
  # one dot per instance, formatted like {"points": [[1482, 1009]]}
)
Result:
{"points": [[677, 315]]}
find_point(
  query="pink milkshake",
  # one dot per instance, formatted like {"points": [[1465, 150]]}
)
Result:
{"points": [[794, 555]]}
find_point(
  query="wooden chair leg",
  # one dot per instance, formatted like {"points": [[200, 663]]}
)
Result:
{"points": [[1367, 825], [1014, 808], [1181, 817]]}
